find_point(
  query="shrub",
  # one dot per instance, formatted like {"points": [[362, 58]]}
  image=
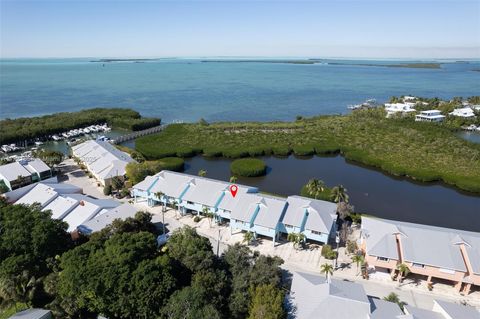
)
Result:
{"points": [[107, 190], [212, 152], [281, 150], [248, 167], [326, 149], [303, 150], [196, 219], [172, 164], [351, 246], [235, 153], [328, 252], [186, 152]]}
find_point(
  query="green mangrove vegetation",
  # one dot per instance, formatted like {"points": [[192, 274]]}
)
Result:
{"points": [[136, 172], [248, 167], [28, 128], [423, 151]]}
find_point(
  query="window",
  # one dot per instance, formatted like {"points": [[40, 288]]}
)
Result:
{"points": [[418, 265], [316, 232], [288, 226], [189, 203], [447, 271], [382, 259]]}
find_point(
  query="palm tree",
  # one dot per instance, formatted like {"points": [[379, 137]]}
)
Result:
{"points": [[202, 173], [248, 237], [403, 271], [233, 179], [339, 194], [315, 187], [296, 238], [159, 195], [358, 259], [393, 297], [175, 206], [206, 211], [326, 269]]}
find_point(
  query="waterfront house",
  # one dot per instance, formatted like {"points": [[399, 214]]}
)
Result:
{"points": [[103, 160], [315, 297], [402, 108], [465, 112], [24, 172], [102, 220], [249, 210], [314, 218], [430, 116], [66, 202], [259, 214], [434, 253]]}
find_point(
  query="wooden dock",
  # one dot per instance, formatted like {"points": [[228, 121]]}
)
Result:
{"points": [[134, 135]]}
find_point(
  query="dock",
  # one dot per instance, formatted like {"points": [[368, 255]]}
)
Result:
{"points": [[134, 135]]}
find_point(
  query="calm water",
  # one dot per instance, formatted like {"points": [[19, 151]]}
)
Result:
{"points": [[370, 191], [179, 89], [470, 136]]}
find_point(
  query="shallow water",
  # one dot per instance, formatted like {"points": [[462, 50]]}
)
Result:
{"points": [[370, 191], [187, 90]]}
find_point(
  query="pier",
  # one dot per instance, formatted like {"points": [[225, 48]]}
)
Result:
{"points": [[134, 135]]}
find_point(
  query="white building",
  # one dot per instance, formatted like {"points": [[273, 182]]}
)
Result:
{"points": [[66, 202], [404, 108], [102, 159], [465, 112], [24, 172], [430, 116]]}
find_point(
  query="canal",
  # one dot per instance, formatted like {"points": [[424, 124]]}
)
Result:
{"points": [[370, 191]]}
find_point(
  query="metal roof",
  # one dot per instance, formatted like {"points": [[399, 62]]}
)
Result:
{"points": [[320, 213], [106, 218], [423, 244]]}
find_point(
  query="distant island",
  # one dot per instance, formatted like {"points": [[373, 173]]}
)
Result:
{"points": [[122, 60], [415, 65]]}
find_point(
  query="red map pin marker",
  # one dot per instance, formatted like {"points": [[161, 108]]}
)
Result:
{"points": [[233, 190]]}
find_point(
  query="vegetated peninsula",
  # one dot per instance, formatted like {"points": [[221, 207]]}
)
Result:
{"points": [[122, 60], [399, 146], [27, 128], [415, 65]]}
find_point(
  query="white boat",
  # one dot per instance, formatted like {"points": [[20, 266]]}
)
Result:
{"points": [[38, 143], [6, 148], [86, 130], [56, 138]]}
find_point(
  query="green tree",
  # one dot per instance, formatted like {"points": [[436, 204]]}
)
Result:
{"points": [[358, 260], [190, 249], [267, 303], [29, 240], [107, 190], [326, 269], [209, 214], [202, 173], [403, 271], [120, 277], [3, 188], [339, 194], [315, 187], [51, 158], [297, 238], [248, 237], [233, 179], [190, 303], [393, 297], [117, 183]]}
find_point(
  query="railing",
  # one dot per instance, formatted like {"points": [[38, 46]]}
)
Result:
{"points": [[134, 135]]}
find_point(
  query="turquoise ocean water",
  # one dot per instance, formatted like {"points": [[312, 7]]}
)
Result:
{"points": [[187, 89]]}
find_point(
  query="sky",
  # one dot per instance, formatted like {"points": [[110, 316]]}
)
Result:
{"points": [[356, 28]]}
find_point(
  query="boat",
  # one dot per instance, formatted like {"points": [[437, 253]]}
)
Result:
{"points": [[6, 148], [38, 143], [56, 138]]}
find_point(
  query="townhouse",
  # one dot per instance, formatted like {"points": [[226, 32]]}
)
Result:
{"points": [[103, 160], [24, 172], [435, 253], [249, 210], [66, 202]]}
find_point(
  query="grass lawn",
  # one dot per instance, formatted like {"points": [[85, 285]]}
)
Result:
{"points": [[8, 312], [422, 151]]}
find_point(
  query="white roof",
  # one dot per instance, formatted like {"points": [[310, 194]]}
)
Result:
{"points": [[61, 206], [80, 214], [32, 313], [320, 214], [102, 158], [104, 219], [458, 311], [463, 112], [428, 245], [37, 166], [268, 209], [11, 171], [315, 298], [40, 193]]}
